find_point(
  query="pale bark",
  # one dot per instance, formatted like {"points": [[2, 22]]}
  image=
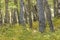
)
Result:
{"points": [[48, 15]]}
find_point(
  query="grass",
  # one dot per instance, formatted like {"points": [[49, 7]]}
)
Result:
{"points": [[16, 32]]}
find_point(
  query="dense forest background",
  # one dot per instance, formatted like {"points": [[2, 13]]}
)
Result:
{"points": [[29, 19]]}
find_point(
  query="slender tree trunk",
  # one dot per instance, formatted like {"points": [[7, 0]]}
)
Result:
{"points": [[21, 15], [6, 12], [58, 7], [41, 15], [48, 15], [11, 16], [29, 11], [26, 20], [55, 8], [26, 13], [0, 17], [15, 12], [35, 16], [12, 13]]}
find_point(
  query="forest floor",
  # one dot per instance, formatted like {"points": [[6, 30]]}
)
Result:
{"points": [[16, 32]]}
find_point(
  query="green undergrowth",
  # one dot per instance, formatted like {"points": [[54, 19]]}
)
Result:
{"points": [[56, 23], [18, 32]]}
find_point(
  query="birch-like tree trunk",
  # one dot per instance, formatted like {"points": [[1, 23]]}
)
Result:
{"points": [[21, 15], [35, 16], [30, 14], [41, 15], [48, 15], [15, 12], [58, 7], [55, 7], [6, 12]]}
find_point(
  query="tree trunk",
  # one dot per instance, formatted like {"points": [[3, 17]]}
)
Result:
{"points": [[48, 15], [15, 11], [25, 13], [6, 12], [0, 17], [41, 15], [29, 11], [55, 8], [21, 15], [58, 7], [35, 16]]}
